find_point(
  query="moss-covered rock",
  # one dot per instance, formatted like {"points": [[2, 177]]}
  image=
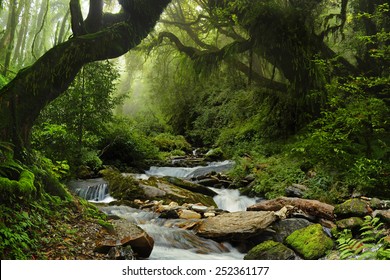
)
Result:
{"points": [[310, 242], [270, 250], [352, 223], [122, 187], [214, 154], [352, 208]]}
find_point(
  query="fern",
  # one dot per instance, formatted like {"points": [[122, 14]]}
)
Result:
{"points": [[371, 244]]}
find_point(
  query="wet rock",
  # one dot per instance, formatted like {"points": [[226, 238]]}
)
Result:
{"points": [[209, 182], [193, 187], [354, 207], [310, 242], [236, 225], [310, 207], [168, 192], [170, 214], [270, 250], [284, 228], [296, 190]]}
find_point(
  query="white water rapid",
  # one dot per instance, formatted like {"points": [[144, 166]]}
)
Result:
{"points": [[171, 242]]}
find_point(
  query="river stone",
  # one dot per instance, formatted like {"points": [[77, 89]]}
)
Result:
{"points": [[284, 228], [310, 207], [188, 214], [236, 226], [270, 250], [352, 208], [310, 242], [199, 208]]}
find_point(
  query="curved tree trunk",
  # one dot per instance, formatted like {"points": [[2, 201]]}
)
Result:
{"points": [[34, 87]]}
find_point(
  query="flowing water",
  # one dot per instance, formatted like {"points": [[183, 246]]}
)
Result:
{"points": [[171, 242], [190, 172]]}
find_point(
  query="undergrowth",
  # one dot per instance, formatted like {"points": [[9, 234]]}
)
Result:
{"points": [[369, 245]]}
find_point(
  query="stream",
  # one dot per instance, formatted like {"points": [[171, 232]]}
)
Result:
{"points": [[171, 243]]}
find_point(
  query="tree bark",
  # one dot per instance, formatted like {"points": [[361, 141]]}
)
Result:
{"points": [[34, 87]]}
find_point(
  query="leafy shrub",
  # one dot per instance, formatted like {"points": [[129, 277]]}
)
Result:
{"points": [[167, 142], [123, 144]]}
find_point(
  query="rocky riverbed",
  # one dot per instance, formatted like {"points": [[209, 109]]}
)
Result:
{"points": [[282, 228]]}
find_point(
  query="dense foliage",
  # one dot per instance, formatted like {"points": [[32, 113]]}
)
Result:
{"points": [[293, 91]]}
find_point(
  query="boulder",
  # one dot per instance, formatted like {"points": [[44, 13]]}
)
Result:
{"points": [[310, 242], [214, 154], [310, 207], [161, 189], [270, 250], [285, 227], [193, 187], [127, 234], [236, 226], [354, 207], [352, 223], [383, 215]]}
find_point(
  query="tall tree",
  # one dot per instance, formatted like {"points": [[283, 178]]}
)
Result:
{"points": [[111, 35]]}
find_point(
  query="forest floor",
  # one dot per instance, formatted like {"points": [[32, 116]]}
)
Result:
{"points": [[73, 239]]}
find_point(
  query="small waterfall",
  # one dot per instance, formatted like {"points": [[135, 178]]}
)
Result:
{"points": [[232, 200], [95, 190]]}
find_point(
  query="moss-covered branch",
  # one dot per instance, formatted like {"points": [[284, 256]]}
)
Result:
{"points": [[34, 87]]}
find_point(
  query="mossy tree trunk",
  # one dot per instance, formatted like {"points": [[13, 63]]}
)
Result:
{"points": [[34, 87]]}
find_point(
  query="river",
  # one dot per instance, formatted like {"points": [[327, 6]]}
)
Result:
{"points": [[172, 243]]}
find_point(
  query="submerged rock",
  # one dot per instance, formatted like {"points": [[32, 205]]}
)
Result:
{"points": [[310, 242], [270, 250], [236, 226]]}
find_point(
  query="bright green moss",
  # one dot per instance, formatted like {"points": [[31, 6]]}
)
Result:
{"points": [[310, 242]]}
